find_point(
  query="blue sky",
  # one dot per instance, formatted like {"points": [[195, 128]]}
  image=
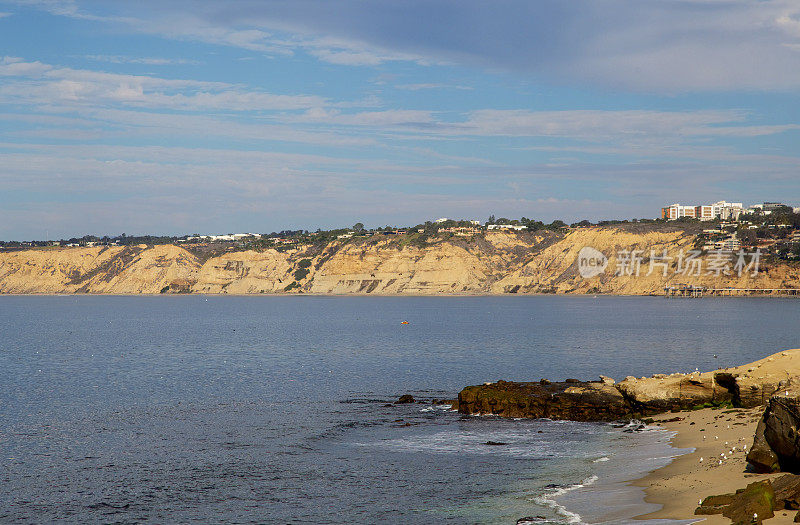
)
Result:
{"points": [[214, 117]]}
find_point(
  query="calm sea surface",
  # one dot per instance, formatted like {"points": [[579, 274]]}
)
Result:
{"points": [[272, 409]]}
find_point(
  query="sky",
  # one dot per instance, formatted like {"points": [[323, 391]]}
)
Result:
{"points": [[202, 116]]}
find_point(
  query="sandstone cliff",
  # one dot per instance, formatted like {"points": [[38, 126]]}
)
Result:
{"points": [[494, 263]]}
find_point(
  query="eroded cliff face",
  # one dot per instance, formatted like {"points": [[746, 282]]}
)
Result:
{"points": [[496, 263]]}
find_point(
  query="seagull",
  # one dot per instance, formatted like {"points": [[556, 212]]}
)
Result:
{"points": [[701, 460]]}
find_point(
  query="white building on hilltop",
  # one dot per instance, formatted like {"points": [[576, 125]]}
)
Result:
{"points": [[705, 212], [517, 227]]}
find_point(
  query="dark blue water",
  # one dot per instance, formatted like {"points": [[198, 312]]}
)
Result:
{"points": [[272, 409]]}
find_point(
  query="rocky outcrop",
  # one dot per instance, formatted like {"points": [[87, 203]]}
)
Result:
{"points": [[591, 400], [776, 445], [761, 457], [491, 263], [760, 499], [581, 401], [606, 400], [753, 504], [661, 393]]}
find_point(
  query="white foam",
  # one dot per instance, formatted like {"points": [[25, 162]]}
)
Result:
{"points": [[601, 460], [548, 499]]}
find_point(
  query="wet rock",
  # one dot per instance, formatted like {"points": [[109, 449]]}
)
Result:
{"points": [[583, 401], [634, 426], [495, 443], [405, 398]]}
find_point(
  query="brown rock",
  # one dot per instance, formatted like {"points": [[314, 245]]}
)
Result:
{"points": [[761, 457], [787, 492], [776, 444], [758, 499], [664, 393], [582, 401], [752, 504]]}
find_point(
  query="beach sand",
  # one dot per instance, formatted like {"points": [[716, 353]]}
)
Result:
{"points": [[711, 432]]}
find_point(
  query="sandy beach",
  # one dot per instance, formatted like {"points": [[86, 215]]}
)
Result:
{"points": [[712, 433]]}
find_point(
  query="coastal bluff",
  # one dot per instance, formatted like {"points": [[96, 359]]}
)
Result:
{"points": [[495, 262], [745, 386]]}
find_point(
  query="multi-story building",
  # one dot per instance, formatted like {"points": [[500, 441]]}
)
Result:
{"points": [[727, 210], [705, 212], [769, 208], [676, 211]]}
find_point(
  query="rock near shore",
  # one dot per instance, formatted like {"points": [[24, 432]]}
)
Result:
{"points": [[745, 386]]}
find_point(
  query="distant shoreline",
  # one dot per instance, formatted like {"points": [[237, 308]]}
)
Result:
{"points": [[496, 264], [450, 295]]}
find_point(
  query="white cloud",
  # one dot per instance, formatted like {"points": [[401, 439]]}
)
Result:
{"points": [[42, 83], [421, 86], [149, 61], [386, 118]]}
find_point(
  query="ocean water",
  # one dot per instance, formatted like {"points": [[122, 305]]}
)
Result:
{"points": [[279, 409]]}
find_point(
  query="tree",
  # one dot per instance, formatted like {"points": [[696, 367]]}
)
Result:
{"points": [[358, 227]]}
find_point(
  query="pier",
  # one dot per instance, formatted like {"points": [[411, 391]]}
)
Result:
{"points": [[689, 290]]}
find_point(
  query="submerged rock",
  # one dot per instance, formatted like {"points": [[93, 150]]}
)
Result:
{"points": [[405, 398]]}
